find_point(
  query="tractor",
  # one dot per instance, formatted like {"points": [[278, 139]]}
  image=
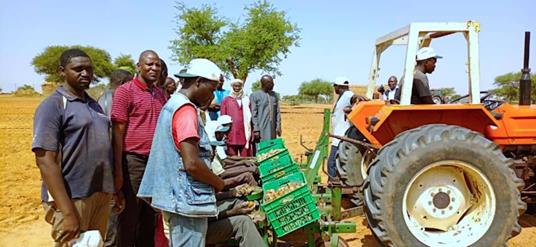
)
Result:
{"points": [[443, 174]]}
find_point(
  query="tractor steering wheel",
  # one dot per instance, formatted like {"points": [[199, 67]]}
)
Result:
{"points": [[486, 98]]}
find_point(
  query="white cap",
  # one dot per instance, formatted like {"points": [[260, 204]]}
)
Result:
{"points": [[425, 53], [203, 68], [237, 81], [341, 81], [222, 121]]}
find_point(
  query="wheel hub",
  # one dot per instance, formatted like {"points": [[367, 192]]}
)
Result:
{"points": [[448, 203], [438, 198], [441, 200]]}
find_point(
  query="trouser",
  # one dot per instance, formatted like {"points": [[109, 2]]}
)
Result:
{"points": [[332, 167], [186, 231], [113, 224], [93, 214], [237, 170], [243, 178], [239, 150], [240, 228], [137, 221]]}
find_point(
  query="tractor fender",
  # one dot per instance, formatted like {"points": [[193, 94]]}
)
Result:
{"points": [[381, 123]]}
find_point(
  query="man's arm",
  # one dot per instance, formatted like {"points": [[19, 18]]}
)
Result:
{"points": [[119, 116], [255, 117], [51, 174], [278, 117], [196, 167], [423, 91], [118, 136]]}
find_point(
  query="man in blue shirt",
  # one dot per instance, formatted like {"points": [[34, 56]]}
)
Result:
{"points": [[73, 151], [219, 95]]}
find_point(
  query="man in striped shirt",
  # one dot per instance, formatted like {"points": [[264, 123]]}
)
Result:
{"points": [[135, 110]]}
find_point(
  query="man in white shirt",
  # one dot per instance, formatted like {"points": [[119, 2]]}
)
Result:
{"points": [[339, 122], [393, 93]]}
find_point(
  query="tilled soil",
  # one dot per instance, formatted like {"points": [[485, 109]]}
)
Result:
{"points": [[21, 215]]}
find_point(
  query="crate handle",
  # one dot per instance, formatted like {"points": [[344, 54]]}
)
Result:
{"points": [[287, 200]]}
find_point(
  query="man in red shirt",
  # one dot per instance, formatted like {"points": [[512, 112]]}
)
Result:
{"points": [[135, 111]]}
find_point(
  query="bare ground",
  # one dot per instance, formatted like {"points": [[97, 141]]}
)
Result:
{"points": [[21, 216]]}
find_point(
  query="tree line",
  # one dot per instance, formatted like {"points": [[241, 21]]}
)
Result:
{"points": [[258, 43]]}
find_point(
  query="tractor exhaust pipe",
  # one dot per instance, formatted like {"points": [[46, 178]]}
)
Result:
{"points": [[525, 83]]}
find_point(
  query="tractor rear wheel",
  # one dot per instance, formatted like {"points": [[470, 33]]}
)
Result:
{"points": [[352, 163], [441, 185]]}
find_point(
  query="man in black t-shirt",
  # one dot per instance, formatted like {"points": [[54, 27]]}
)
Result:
{"points": [[426, 60]]}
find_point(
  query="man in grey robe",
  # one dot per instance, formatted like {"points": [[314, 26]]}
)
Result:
{"points": [[266, 115]]}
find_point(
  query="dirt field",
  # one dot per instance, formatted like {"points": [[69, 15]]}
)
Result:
{"points": [[21, 216]]}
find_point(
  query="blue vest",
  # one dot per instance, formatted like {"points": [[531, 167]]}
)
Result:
{"points": [[165, 182]]}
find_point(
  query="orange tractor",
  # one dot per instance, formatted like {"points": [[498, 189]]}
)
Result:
{"points": [[446, 174]]}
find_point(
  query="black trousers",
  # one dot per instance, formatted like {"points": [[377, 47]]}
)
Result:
{"points": [[137, 221]]}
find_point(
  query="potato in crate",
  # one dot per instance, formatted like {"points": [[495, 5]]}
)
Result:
{"points": [[288, 204]]}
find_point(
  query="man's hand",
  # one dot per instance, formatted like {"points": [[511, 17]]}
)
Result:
{"points": [[119, 202], [347, 109], [358, 98], [278, 131], [256, 136], [70, 228], [241, 208]]}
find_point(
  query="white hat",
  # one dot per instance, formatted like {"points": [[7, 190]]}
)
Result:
{"points": [[341, 81], [222, 121], [237, 81], [425, 53], [203, 68]]}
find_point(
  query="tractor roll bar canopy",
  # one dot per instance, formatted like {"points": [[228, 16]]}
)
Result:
{"points": [[417, 35]]}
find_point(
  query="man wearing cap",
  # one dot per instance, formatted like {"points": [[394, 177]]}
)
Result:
{"points": [[426, 60], [135, 109], [178, 179], [338, 120]]}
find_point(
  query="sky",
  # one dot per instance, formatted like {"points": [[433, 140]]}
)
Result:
{"points": [[337, 37]]}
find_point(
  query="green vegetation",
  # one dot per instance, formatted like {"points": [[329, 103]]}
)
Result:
{"points": [[259, 43], [25, 91], [508, 87]]}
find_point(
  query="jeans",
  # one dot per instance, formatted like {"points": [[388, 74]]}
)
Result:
{"points": [[186, 231], [332, 167]]}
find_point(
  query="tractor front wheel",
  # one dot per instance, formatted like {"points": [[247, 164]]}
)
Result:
{"points": [[441, 185]]}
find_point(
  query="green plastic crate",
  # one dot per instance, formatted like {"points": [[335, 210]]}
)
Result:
{"points": [[293, 210], [277, 166], [267, 145], [283, 171]]}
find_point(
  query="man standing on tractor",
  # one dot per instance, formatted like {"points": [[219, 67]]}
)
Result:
{"points": [[426, 60], [338, 120]]}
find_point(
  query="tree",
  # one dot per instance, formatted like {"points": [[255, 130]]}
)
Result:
{"points": [[508, 87], [260, 43], [256, 86], [125, 62], [26, 90], [48, 62], [315, 88]]}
